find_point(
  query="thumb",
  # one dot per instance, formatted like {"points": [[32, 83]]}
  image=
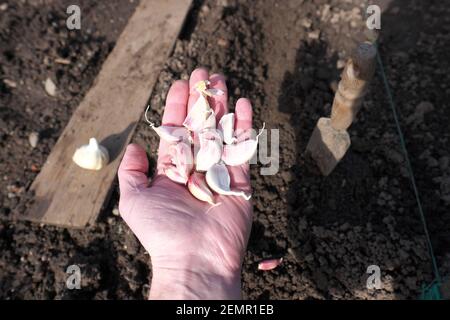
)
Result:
{"points": [[133, 170]]}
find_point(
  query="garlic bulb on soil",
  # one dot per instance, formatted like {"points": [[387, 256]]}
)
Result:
{"points": [[91, 156]]}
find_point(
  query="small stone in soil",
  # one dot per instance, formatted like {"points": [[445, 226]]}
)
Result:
{"points": [[50, 87], [314, 34], [10, 83], [33, 139], [115, 211]]}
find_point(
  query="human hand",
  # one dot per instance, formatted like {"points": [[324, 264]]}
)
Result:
{"points": [[196, 249]]}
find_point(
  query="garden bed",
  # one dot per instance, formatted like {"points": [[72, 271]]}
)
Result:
{"points": [[285, 57]]}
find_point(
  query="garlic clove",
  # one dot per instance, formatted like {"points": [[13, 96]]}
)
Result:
{"points": [[172, 134], [173, 174], [210, 150], [218, 179], [199, 189], [269, 264], [181, 156], [210, 122], [197, 118], [240, 153], [91, 156], [201, 115], [226, 126]]}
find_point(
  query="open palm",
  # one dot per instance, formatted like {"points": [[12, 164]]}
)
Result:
{"points": [[196, 249]]}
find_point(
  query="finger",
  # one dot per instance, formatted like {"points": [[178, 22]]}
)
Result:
{"points": [[240, 178], [133, 171], [174, 114], [219, 103], [240, 175], [243, 118], [197, 75], [176, 103]]}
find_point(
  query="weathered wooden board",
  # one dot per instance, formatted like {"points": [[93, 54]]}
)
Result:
{"points": [[67, 195]]}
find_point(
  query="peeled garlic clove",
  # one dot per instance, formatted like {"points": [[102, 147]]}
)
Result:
{"points": [[172, 134], [182, 158], [173, 174], [269, 264], [210, 150], [197, 118], [199, 189], [226, 126], [218, 180], [91, 156], [240, 153]]}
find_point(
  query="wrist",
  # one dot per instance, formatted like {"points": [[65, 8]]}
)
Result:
{"points": [[189, 283]]}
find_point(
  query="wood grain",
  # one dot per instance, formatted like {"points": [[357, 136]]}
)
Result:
{"points": [[67, 195], [354, 84]]}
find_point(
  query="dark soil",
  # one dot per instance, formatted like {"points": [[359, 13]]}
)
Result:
{"points": [[329, 230]]}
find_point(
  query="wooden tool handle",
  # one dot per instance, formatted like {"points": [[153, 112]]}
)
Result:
{"points": [[353, 86]]}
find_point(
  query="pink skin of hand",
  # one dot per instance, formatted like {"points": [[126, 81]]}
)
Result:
{"points": [[196, 249]]}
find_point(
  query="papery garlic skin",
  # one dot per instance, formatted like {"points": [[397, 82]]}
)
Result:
{"points": [[218, 179], [199, 189], [172, 134], [91, 156], [226, 126], [210, 150]]}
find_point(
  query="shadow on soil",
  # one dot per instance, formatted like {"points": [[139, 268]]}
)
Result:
{"points": [[343, 199]]}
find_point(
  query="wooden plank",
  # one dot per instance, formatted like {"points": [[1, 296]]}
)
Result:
{"points": [[67, 195]]}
